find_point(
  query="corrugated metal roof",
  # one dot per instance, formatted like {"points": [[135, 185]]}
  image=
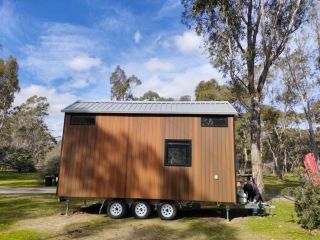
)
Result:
{"points": [[152, 107]]}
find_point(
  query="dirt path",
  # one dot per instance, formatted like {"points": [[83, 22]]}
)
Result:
{"points": [[27, 190]]}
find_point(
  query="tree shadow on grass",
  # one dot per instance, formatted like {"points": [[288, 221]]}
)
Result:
{"points": [[195, 229], [212, 213]]}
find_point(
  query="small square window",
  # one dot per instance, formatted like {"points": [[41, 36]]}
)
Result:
{"points": [[83, 120], [178, 153], [214, 121]]}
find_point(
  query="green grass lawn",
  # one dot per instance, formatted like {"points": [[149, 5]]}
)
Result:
{"points": [[10, 179], [273, 185], [17, 207], [16, 211]]}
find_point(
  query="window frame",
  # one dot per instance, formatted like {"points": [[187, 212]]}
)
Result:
{"points": [[188, 144], [83, 116], [226, 125]]}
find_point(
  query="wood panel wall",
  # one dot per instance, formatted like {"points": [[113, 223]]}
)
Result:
{"points": [[123, 157]]}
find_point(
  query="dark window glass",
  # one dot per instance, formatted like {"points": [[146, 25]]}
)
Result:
{"points": [[178, 153], [217, 121], [83, 120]]}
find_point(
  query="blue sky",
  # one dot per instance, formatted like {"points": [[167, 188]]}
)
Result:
{"points": [[66, 50]]}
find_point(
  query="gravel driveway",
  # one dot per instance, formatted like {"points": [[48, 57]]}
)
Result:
{"points": [[27, 190]]}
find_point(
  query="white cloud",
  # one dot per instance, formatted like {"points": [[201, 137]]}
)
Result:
{"points": [[167, 7], [57, 100], [81, 63], [137, 37], [62, 52], [9, 23], [117, 19], [179, 82], [154, 64], [189, 43]]}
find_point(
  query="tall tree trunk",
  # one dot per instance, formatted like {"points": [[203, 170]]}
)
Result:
{"points": [[256, 141], [285, 168], [246, 160]]}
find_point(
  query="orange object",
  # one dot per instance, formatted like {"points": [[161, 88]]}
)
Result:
{"points": [[311, 166]]}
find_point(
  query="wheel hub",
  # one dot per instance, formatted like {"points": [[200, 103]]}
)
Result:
{"points": [[141, 209], [116, 209], [167, 210]]}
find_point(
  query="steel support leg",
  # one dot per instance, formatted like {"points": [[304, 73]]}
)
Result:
{"points": [[67, 207], [227, 213], [100, 210]]}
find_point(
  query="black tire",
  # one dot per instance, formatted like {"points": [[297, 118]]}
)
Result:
{"points": [[116, 209], [140, 209], [167, 211]]}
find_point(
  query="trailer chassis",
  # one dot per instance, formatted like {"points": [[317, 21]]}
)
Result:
{"points": [[183, 205]]}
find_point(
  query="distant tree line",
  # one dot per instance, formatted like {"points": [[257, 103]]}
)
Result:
{"points": [[24, 136]]}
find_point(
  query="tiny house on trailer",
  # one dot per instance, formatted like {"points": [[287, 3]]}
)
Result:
{"points": [[149, 155]]}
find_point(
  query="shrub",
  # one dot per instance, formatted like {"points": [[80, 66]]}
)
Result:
{"points": [[50, 165], [307, 202], [19, 159]]}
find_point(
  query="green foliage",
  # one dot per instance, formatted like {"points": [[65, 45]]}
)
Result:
{"points": [[307, 201], [211, 91], [50, 165], [29, 130], [244, 39], [307, 205], [270, 116], [154, 96], [150, 96], [19, 159], [28, 138], [9, 85], [121, 86]]}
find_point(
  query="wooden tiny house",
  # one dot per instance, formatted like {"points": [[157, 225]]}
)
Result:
{"points": [[149, 150]]}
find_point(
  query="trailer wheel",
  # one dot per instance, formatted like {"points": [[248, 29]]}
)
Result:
{"points": [[116, 209], [167, 211], [141, 209]]}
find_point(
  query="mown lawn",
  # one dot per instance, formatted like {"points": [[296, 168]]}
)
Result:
{"points": [[10, 179], [39, 217], [273, 185]]}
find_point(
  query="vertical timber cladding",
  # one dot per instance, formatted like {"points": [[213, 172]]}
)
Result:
{"points": [[123, 156]]}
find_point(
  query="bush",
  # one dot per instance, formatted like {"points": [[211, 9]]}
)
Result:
{"points": [[50, 166], [19, 159], [307, 203]]}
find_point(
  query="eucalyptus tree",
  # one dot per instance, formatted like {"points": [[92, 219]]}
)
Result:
{"points": [[9, 85], [121, 85], [149, 96], [244, 39], [29, 130], [300, 75], [185, 98]]}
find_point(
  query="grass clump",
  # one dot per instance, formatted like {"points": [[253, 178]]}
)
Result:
{"points": [[22, 235]]}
